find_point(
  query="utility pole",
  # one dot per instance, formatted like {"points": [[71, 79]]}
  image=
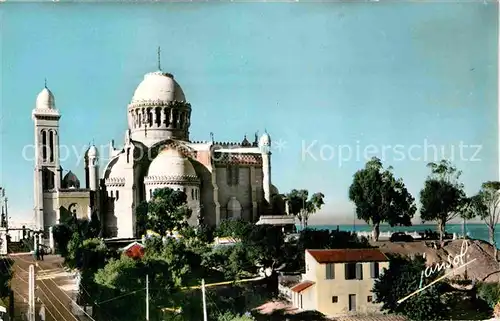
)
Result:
{"points": [[147, 297], [204, 300], [31, 297]]}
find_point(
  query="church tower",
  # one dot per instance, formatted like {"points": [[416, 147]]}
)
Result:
{"points": [[265, 148], [93, 168], [47, 178]]}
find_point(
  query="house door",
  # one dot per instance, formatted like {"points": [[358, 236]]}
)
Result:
{"points": [[352, 302]]}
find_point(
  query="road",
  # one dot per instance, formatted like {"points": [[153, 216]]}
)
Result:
{"points": [[51, 279]]}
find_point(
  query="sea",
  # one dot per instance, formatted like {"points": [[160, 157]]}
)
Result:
{"points": [[473, 230]]}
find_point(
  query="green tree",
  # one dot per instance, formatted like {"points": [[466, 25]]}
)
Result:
{"points": [[402, 279], [141, 213], [442, 197], [92, 255], [469, 210], [122, 283], [74, 245], [301, 206], [265, 246], [167, 211], [233, 228], [239, 264], [489, 292], [94, 226], [380, 197], [184, 264], [486, 206], [64, 233], [6, 274]]}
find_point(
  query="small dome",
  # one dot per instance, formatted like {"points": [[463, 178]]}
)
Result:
{"points": [[265, 140], [116, 169], [265, 143], [170, 162], [70, 181], [158, 86], [274, 190], [92, 151], [45, 100], [245, 142]]}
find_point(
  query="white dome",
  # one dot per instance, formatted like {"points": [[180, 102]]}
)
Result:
{"points": [[171, 163], [116, 168], [45, 100], [265, 140], [158, 86], [92, 152]]}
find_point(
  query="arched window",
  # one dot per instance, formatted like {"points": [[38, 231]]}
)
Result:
{"points": [[117, 195], [158, 117], [149, 116], [192, 193], [51, 146], [111, 194], [44, 145], [233, 209]]}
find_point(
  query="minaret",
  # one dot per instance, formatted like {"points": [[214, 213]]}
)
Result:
{"points": [[47, 168], [93, 168], [265, 148]]}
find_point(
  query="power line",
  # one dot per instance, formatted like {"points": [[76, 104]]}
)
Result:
{"points": [[72, 301], [52, 303]]}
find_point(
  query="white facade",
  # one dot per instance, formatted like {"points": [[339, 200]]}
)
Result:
{"points": [[222, 180]]}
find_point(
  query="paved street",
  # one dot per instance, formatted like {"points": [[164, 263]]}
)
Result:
{"points": [[51, 279]]}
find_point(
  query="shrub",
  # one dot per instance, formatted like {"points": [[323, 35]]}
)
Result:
{"points": [[489, 292]]}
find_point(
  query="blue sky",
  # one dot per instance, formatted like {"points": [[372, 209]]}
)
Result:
{"points": [[357, 75]]}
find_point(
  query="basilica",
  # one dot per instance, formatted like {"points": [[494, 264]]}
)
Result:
{"points": [[222, 180]]}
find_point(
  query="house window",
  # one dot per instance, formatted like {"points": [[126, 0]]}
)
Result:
{"points": [[335, 299], [374, 270], [330, 271], [192, 194], [117, 195], [354, 271], [369, 299], [359, 271], [150, 193], [111, 194], [350, 271]]}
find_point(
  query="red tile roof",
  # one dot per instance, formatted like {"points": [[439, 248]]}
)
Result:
{"points": [[302, 286], [136, 251], [348, 255]]}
